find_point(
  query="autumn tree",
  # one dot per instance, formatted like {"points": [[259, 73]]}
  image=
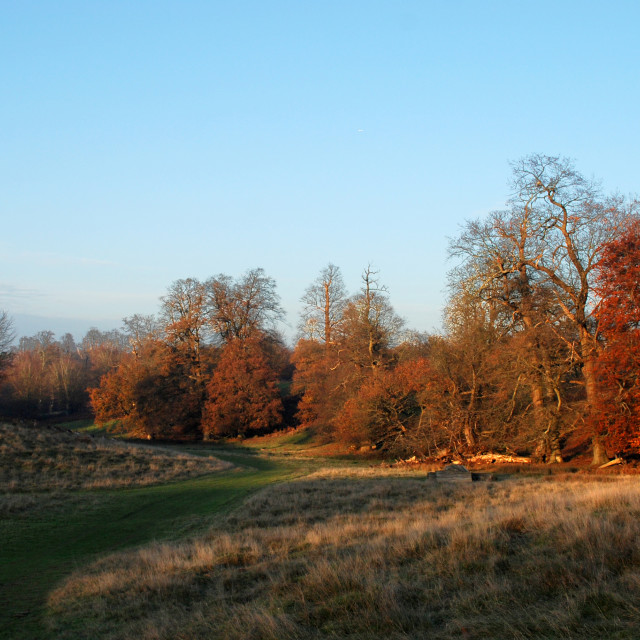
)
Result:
{"points": [[321, 382], [242, 394], [114, 397], [161, 387], [150, 394], [332, 366], [537, 260], [465, 357], [184, 316], [403, 410], [618, 366]]}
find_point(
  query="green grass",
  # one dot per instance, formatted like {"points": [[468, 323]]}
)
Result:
{"points": [[62, 531]]}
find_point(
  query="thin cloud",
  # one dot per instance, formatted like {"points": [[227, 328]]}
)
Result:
{"points": [[57, 259], [11, 293], [51, 259]]}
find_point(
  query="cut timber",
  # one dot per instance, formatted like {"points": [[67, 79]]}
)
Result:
{"points": [[499, 458], [611, 463], [452, 473]]}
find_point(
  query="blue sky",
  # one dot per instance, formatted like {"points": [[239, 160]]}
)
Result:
{"points": [[142, 142]]}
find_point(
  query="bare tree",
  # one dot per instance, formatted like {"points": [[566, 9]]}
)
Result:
{"points": [[370, 326], [184, 314], [139, 328], [7, 332], [324, 302], [239, 309]]}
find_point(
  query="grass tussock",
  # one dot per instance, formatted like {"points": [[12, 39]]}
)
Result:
{"points": [[40, 459], [374, 553]]}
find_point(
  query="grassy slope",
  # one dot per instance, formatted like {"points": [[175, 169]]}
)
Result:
{"points": [[348, 551], [62, 531], [375, 553]]}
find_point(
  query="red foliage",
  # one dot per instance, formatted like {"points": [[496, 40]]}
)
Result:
{"points": [[390, 408], [154, 393], [242, 395], [618, 366]]}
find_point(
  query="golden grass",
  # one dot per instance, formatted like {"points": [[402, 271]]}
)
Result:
{"points": [[381, 554], [43, 459]]}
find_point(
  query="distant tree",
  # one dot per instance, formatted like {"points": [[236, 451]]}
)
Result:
{"points": [[40, 341], [7, 336], [27, 391], [102, 351], [94, 338], [46, 377], [140, 328], [7, 331], [242, 395], [68, 343]]}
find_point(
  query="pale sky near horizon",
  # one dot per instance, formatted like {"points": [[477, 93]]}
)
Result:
{"points": [[147, 141]]}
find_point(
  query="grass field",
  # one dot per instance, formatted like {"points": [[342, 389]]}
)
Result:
{"points": [[283, 546], [52, 522]]}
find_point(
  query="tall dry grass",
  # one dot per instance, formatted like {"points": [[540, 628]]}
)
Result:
{"points": [[43, 459], [377, 554]]}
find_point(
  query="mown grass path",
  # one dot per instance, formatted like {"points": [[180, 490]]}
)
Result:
{"points": [[40, 546]]}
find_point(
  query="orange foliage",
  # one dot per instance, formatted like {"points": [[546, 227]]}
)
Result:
{"points": [[153, 393], [242, 395], [389, 409]]}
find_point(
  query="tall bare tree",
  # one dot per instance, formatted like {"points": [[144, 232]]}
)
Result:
{"points": [[324, 302], [370, 326]]}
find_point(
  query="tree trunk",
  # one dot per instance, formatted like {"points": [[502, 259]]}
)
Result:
{"points": [[591, 388], [469, 435], [555, 452], [600, 456]]}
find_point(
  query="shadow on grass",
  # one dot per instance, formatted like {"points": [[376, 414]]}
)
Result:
{"points": [[40, 546]]}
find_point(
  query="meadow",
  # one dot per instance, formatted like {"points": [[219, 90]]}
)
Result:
{"points": [[283, 545]]}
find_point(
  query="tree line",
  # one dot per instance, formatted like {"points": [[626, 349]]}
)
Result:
{"points": [[539, 351]]}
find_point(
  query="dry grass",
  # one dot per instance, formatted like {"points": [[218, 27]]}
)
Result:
{"points": [[36, 459], [381, 554]]}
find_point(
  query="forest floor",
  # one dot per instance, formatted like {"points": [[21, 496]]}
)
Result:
{"points": [[294, 539]]}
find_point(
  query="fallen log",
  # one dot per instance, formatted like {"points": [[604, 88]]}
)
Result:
{"points": [[611, 463]]}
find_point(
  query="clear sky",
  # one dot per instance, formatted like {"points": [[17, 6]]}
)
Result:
{"points": [[146, 141]]}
